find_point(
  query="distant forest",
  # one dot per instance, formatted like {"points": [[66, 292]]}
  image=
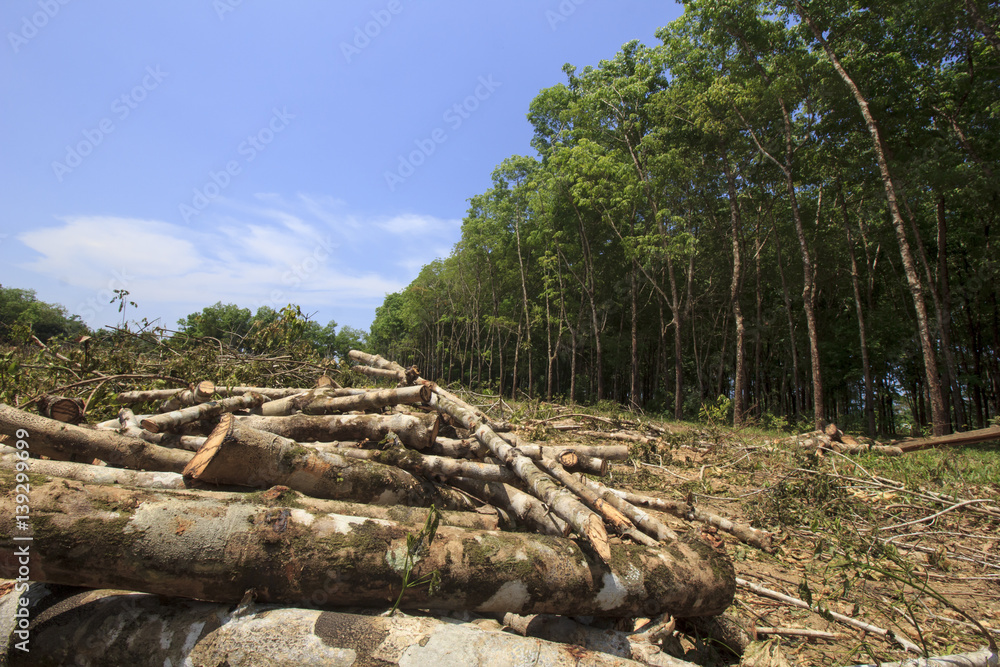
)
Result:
{"points": [[789, 205]]}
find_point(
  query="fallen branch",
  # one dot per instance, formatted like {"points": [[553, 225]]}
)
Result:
{"points": [[683, 510], [890, 635]]}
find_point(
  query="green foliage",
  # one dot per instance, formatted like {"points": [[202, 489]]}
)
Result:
{"points": [[45, 320], [416, 548]]}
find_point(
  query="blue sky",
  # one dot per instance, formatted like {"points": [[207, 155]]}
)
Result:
{"points": [[265, 153]]}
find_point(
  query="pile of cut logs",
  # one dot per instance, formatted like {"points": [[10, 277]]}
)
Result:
{"points": [[250, 526]]}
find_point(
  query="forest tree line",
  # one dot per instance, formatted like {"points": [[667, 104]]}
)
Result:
{"points": [[792, 205]]}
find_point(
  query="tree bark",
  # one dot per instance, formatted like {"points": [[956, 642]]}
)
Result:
{"points": [[169, 421], [56, 440], [416, 431], [199, 393], [863, 332], [735, 288], [70, 625], [160, 542], [61, 409], [566, 505], [371, 400], [235, 454]]}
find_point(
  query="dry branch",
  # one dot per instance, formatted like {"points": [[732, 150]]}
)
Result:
{"points": [[175, 543], [890, 635], [65, 441], [683, 510]]}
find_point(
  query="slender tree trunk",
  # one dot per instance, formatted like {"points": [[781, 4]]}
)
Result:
{"points": [[739, 399], [865, 362], [938, 409]]}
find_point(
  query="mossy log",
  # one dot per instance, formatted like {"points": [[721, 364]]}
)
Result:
{"points": [[181, 544], [169, 421], [236, 454], [60, 441], [415, 431], [70, 625]]}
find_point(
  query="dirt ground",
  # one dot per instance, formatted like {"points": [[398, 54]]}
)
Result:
{"points": [[860, 535]]}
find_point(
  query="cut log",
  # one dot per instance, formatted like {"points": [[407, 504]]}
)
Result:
{"points": [[235, 454], [296, 402], [437, 468], [165, 543], [56, 440], [172, 420], [128, 424], [416, 431], [108, 627], [325, 381], [61, 409], [382, 373], [831, 431], [645, 521], [197, 394], [589, 496], [92, 474], [683, 510], [530, 511], [585, 460], [370, 400], [564, 503], [953, 440]]}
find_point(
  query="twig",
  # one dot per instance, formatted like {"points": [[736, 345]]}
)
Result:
{"points": [[799, 632], [103, 378], [936, 514], [847, 620]]}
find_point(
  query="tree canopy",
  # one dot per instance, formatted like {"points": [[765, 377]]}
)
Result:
{"points": [[790, 204]]}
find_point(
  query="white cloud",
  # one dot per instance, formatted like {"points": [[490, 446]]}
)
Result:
{"points": [[309, 250]]}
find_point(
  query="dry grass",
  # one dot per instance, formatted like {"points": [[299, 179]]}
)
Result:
{"points": [[854, 534]]}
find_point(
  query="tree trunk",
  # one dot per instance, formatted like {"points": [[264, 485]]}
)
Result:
{"points": [[416, 431], [61, 409], [165, 543], [371, 400], [170, 421], [563, 503], [739, 383], [56, 440], [235, 454], [865, 363], [70, 625], [938, 410]]}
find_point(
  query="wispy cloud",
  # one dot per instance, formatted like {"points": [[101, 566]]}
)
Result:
{"points": [[308, 250]]}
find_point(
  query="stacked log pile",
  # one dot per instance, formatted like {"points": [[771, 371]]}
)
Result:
{"points": [[313, 510]]}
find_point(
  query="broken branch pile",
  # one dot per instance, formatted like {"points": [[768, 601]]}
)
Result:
{"points": [[307, 498]]}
